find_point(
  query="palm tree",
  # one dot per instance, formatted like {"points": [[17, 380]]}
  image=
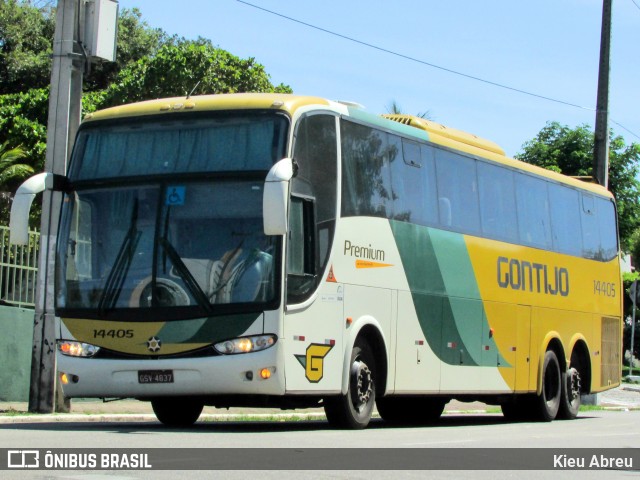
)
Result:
{"points": [[394, 108], [12, 172]]}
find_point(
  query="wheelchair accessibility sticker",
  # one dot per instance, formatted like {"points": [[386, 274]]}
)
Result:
{"points": [[175, 195], [313, 361]]}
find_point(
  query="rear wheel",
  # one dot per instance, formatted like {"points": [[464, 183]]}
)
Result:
{"points": [[547, 403], [410, 410], [354, 409], [177, 412], [570, 400]]}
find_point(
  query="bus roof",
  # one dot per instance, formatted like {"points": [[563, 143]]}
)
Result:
{"points": [[406, 125]]}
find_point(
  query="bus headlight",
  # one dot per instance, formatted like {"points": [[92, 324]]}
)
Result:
{"points": [[77, 349], [254, 343]]}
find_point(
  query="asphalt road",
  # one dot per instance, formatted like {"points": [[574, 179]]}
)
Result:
{"points": [[455, 434]]}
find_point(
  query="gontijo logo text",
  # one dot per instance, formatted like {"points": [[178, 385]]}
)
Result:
{"points": [[532, 277]]}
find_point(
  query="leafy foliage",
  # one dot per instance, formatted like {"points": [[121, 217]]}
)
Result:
{"points": [[570, 151], [10, 170], [23, 119], [627, 280], [150, 64], [136, 39], [26, 38], [182, 67]]}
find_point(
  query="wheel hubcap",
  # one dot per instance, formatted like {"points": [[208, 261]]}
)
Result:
{"points": [[362, 386], [574, 385]]}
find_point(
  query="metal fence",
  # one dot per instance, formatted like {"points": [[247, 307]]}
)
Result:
{"points": [[18, 270]]}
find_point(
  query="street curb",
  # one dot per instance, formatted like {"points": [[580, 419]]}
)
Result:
{"points": [[225, 417], [220, 418]]}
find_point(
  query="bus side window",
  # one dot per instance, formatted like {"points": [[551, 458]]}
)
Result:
{"points": [[301, 251], [607, 227], [457, 192], [532, 203], [590, 233]]}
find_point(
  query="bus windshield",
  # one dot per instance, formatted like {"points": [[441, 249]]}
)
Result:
{"points": [[167, 240], [222, 143]]}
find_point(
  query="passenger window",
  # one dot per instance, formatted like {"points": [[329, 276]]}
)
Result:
{"points": [[457, 192], [497, 202], [590, 234], [565, 219], [534, 224], [608, 229], [366, 180]]}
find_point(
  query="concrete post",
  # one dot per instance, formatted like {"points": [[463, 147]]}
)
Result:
{"points": [[64, 117]]}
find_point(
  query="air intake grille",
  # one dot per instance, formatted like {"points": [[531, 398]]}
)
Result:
{"points": [[611, 345]]}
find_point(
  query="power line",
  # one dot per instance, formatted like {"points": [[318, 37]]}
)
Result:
{"points": [[429, 64], [636, 4]]}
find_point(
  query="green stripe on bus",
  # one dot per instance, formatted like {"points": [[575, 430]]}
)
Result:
{"points": [[445, 294], [207, 330]]}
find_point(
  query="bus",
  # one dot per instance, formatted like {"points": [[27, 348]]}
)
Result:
{"points": [[286, 251]]}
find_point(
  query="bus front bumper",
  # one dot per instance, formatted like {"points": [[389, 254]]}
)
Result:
{"points": [[219, 375]]}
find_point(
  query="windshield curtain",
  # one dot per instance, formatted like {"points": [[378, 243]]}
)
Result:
{"points": [[221, 143], [184, 244]]}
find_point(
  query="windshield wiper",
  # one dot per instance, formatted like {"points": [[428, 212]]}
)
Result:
{"points": [[115, 280], [190, 282]]}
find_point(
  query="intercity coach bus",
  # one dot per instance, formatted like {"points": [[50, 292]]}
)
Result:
{"points": [[293, 252]]}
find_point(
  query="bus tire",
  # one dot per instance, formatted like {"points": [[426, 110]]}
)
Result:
{"points": [[177, 412], [354, 410], [547, 403], [570, 401], [410, 410]]}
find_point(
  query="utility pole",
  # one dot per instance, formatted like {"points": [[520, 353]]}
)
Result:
{"points": [[85, 32], [65, 100], [601, 145]]}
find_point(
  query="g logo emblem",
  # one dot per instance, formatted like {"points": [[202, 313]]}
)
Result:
{"points": [[313, 361]]}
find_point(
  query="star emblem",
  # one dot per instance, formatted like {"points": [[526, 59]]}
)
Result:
{"points": [[154, 344]]}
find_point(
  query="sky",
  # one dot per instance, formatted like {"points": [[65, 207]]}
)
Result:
{"points": [[548, 48]]}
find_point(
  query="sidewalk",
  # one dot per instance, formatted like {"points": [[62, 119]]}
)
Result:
{"points": [[625, 397]]}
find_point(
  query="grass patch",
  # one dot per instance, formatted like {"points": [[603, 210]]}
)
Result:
{"points": [[12, 412], [591, 408]]}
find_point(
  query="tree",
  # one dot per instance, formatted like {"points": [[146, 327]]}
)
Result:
{"points": [[185, 66], [136, 39], [570, 151], [394, 108], [11, 171], [11, 174], [150, 63], [26, 38]]}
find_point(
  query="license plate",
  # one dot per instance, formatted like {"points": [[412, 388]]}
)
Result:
{"points": [[155, 376]]}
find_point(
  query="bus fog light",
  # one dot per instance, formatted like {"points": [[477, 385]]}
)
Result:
{"points": [[77, 349], [254, 343], [66, 378], [266, 373]]}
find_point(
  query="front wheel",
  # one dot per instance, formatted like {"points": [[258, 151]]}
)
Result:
{"points": [[177, 412], [354, 409]]}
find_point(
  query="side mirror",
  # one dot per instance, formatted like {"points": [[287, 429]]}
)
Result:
{"points": [[275, 197], [19, 219]]}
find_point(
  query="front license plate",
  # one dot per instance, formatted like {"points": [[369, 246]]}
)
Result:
{"points": [[155, 376]]}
